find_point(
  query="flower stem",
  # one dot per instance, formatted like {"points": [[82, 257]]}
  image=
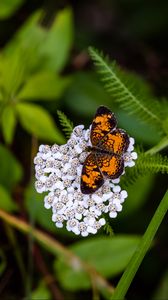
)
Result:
{"points": [[141, 250]]}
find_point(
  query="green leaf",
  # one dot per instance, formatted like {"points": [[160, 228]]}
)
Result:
{"points": [[8, 7], [12, 71], [8, 123], [86, 92], [28, 41], [34, 204], [11, 170], [41, 292], [109, 256], [56, 48], [37, 121], [6, 202], [44, 86]]}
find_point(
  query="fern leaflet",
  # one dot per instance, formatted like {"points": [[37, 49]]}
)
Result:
{"points": [[146, 163], [121, 88], [66, 124]]}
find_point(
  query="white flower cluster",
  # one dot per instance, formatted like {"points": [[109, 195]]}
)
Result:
{"points": [[58, 171]]}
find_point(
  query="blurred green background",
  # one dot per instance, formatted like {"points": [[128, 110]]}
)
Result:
{"points": [[45, 66]]}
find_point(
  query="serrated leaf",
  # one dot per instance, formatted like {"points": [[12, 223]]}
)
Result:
{"points": [[8, 7], [59, 41], [109, 256], [8, 123], [37, 121], [44, 86], [6, 202], [11, 170]]}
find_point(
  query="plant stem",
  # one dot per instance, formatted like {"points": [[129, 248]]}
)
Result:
{"points": [[56, 248], [141, 250]]}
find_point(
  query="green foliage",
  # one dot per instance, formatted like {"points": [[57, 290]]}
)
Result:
{"points": [[127, 91], [108, 229], [109, 256], [59, 41], [8, 123], [86, 92], [41, 292], [44, 86], [29, 70], [151, 163], [11, 170], [66, 124], [138, 189], [8, 7], [146, 164], [34, 204], [38, 121], [6, 202]]}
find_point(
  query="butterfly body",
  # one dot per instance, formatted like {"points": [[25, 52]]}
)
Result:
{"points": [[105, 159]]}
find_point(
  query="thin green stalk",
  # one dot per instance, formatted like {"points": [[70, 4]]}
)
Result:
{"points": [[141, 250]]}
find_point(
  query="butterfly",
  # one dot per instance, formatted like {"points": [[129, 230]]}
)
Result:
{"points": [[105, 159]]}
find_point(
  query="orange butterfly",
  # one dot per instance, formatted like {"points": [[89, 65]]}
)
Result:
{"points": [[106, 154]]}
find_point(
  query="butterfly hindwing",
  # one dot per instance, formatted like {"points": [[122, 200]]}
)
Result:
{"points": [[116, 141], [103, 122], [91, 178], [111, 166]]}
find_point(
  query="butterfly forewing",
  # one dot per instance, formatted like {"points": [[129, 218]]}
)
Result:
{"points": [[116, 141], [103, 122]]}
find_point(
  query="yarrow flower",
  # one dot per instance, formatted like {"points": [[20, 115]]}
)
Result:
{"points": [[58, 172]]}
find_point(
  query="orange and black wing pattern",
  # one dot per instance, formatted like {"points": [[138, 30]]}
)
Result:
{"points": [[103, 122], [106, 157], [116, 141], [91, 178], [111, 166]]}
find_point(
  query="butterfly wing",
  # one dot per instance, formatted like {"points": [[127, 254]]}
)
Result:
{"points": [[111, 166], [116, 141], [103, 122], [91, 178]]}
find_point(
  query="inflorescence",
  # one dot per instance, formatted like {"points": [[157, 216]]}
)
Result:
{"points": [[58, 172]]}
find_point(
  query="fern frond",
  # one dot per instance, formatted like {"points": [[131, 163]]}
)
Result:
{"points": [[146, 164], [121, 87], [152, 163], [67, 125], [108, 229]]}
